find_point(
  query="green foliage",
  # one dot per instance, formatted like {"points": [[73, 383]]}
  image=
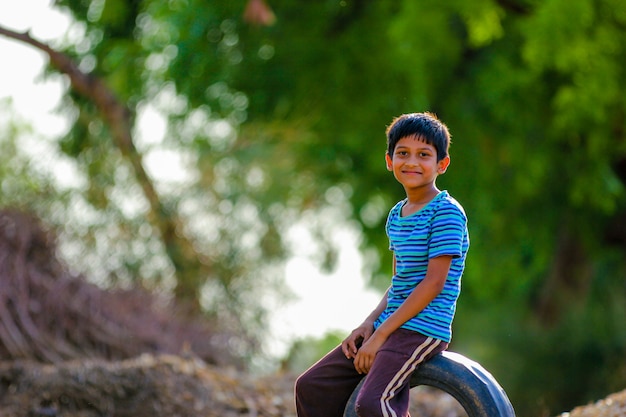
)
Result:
{"points": [[547, 370], [21, 185], [308, 350]]}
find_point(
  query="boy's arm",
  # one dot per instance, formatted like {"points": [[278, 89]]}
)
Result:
{"points": [[364, 331], [421, 296]]}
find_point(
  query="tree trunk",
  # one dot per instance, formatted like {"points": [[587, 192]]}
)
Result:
{"points": [[568, 280]]}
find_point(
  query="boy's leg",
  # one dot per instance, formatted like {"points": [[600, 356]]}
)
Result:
{"points": [[385, 391], [324, 389]]}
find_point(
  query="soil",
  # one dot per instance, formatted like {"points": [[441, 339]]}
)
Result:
{"points": [[612, 406], [147, 386], [180, 386]]}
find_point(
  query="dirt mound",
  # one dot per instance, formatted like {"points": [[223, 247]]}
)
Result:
{"points": [[612, 406], [146, 386], [50, 315]]}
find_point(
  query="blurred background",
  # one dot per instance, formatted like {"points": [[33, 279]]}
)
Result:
{"points": [[229, 155]]}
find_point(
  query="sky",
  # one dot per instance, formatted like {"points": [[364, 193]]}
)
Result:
{"points": [[21, 65], [322, 302]]}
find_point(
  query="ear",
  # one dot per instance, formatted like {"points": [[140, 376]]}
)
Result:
{"points": [[443, 165], [388, 162]]}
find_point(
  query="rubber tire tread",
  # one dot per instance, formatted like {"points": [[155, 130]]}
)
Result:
{"points": [[467, 381]]}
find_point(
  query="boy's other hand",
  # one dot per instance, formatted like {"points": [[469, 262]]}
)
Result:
{"points": [[350, 344]]}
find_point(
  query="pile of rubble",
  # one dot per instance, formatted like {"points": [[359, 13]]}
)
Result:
{"points": [[612, 406], [162, 386]]}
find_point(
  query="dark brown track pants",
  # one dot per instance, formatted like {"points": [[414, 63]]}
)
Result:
{"points": [[324, 389]]}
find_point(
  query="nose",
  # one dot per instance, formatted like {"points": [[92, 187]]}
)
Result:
{"points": [[412, 160]]}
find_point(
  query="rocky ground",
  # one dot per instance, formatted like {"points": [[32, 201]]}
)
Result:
{"points": [[147, 386], [175, 386], [612, 406]]}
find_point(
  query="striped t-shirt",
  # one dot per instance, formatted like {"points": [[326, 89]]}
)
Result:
{"points": [[440, 228]]}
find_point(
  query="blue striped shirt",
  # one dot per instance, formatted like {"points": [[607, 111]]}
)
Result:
{"points": [[440, 228]]}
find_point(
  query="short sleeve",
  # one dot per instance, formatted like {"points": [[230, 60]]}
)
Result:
{"points": [[448, 231]]}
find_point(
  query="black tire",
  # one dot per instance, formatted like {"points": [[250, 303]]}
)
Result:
{"points": [[467, 381]]}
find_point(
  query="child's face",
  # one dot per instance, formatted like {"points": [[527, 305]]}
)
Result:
{"points": [[414, 163]]}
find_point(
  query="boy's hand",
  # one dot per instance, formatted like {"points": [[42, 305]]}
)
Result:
{"points": [[366, 354], [358, 335]]}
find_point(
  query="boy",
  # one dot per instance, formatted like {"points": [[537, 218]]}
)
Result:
{"points": [[412, 323]]}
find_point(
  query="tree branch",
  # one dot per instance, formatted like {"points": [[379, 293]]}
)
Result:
{"points": [[118, 117]]}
